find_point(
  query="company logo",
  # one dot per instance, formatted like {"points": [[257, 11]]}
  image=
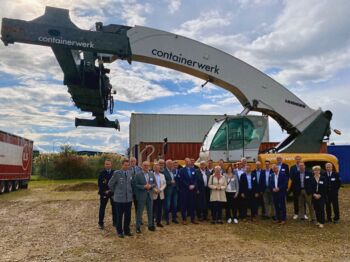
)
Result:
{"points": [[294, 103], [25, 156], [60, 41], [189, 62]]}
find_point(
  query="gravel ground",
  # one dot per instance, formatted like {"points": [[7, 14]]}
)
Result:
{"points": [[46, 224]]}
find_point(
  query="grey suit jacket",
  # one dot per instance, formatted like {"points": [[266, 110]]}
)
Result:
{"points": [[139, 182], [121, 186]]}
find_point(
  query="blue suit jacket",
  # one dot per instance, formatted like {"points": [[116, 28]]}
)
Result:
{"points": [[262, 180], [282, 183], [286, 169], [243, 184], [185, 180]]}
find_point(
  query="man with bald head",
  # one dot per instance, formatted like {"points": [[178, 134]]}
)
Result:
{"points": [[278, 185], [187, 188]]}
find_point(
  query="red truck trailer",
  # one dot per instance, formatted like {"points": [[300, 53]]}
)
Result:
{"points": [[15, 162]]}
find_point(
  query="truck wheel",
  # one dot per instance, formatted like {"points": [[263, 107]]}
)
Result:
{"points": [[2, 187], [9, 186], [15, 185], [24, 184]]}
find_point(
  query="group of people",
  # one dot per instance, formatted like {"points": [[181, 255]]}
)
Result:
{"points": [[169, 188]]}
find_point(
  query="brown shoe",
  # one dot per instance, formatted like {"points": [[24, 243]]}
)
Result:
{"points": [[184, 222]]}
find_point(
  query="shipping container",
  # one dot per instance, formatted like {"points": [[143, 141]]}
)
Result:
{"points": [[342, 152], [15, 162], [154, 128]]}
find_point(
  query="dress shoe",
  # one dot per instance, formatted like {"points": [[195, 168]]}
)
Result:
{"points": [[152, 228], [138, 231], [121, 235], [159, 225], [129, 234], [101, 226], [184, 222], [175, 222]]}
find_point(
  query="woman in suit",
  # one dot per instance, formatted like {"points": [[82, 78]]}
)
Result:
{"points": [[319, 191], [217, 184], [232, 191]]}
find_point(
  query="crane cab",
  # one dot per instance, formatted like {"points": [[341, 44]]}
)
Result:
{"points": [[232, 138]]}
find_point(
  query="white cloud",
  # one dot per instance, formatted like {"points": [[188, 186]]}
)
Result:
{"points": [[173, 5]]}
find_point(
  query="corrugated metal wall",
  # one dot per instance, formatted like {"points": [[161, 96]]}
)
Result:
{"points": [[342, 152]]}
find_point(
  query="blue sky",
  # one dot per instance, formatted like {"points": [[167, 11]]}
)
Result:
{"points": [[305, 45]]}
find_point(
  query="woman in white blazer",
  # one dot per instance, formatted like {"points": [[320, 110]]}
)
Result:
{"points": [[158, 194], [217, 183]]}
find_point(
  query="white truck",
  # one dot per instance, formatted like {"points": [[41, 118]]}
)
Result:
{"points": [[15, 162]]}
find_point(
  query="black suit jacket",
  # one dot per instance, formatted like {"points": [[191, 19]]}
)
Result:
{"points": [[322, 186], [262, 181], [333, 182], [243, 184], [103, 179]]}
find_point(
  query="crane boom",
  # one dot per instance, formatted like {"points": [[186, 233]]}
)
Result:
{"points": [[255, 90]]}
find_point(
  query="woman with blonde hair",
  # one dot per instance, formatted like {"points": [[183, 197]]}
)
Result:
{"points": [[319, 190], [217, 184]]}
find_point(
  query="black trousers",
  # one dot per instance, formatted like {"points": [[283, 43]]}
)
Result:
{"points": [[249, 202], [216, 207], [319, 209], [332, 201], [157, 209], [296, 202], [123, 211], [231, 205], [135, 203], [101, 213]]}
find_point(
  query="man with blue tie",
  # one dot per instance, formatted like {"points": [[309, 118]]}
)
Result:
{"points": [[170, 192], [267, 195], [278, 185], [248, 190], [187, 187], [261, 182], [294, 175]]}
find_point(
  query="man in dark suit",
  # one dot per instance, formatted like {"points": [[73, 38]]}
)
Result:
{"points": [[144, 183], [248, 190], [333, 186], [293, 173], [187, 187], [202, 176], [301, 182], [278, 186], [170, 192], [261, 185], [282, 167], [105, 193], [267, 195]]}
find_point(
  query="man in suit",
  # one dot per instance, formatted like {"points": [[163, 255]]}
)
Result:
{"points": [[294, 172], [302, 188], [158, 194], [267, 195], [261, 185], [193, 161], [170, 192], [248, 190], [144, 183], [134, 169], [187, 187], [278, 185], [120, 185], [333, 186], [105, 193], [282, 167], [202, 176]]}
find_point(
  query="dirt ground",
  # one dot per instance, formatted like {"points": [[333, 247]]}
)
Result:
{"points": [[48, 223]]}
